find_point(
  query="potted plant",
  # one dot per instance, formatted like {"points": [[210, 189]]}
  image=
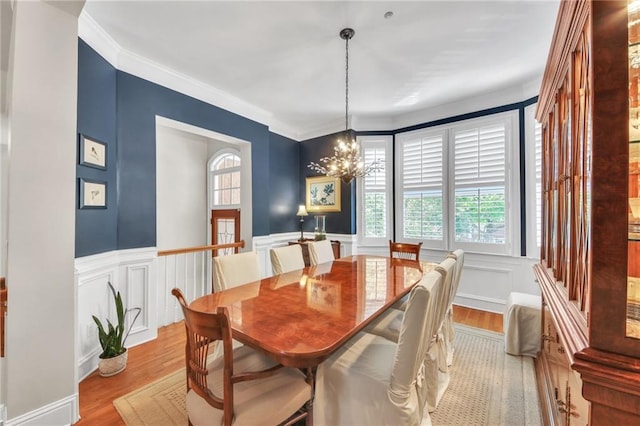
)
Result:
{"points": [[113, 358]]}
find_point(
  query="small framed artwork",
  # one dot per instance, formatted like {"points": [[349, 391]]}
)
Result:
{"points": [[93, 153], [93, 194], [323, 194]]}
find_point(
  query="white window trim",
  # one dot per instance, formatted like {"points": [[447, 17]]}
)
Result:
{"points": [[401, 138], [512, 187], [387, 143], [533, 249]]}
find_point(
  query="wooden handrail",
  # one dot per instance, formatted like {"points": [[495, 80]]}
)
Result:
{"points": [[239, 244]]}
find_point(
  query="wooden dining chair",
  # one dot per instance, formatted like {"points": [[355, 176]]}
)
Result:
{"points": [[241, 387], [286, 259], [235, 269], [404, 250], [320, 252]]}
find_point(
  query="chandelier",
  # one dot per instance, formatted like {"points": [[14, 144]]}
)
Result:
{"points": [[346, 162]]}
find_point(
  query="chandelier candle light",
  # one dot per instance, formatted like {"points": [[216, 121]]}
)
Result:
{"points": [[346, 162]]}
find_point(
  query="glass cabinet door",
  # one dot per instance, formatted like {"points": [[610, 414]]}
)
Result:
{"points": [[633, 283]]}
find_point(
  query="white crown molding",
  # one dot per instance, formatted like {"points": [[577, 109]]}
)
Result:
{"points": [[124, 60], [371, 123], [472, 104], [329, 128], [98, 39]]}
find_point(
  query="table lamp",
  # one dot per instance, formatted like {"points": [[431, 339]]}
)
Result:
{"points": [[302, 212]]}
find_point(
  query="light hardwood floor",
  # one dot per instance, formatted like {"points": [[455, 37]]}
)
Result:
{"points": [[153, 360]]}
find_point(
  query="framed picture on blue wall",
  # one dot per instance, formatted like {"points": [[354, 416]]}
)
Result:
{"points": [[93, 153], [92, 194], [323, 194]]}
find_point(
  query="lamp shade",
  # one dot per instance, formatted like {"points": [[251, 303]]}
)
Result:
{"points": [[302, 211]]}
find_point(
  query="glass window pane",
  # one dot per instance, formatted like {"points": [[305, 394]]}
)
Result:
{"points": [[375, 214], [225, 178], [423, 216], [480, 215]]}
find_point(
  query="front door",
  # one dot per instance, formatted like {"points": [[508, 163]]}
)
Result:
{"points": [[225, 229]]}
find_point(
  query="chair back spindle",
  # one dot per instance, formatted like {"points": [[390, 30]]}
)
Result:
{"points": [[405, 250]]}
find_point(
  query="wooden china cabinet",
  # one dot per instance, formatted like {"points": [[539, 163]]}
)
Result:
{"points": [[588, 369]]}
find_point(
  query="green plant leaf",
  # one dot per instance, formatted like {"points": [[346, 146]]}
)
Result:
{"points": [[113, 337]]}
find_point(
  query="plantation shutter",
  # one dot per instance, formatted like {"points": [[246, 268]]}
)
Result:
{"points": [[375, 198], [422, 184], [479, 181]]}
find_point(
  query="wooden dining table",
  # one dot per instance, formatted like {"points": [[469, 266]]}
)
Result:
{"points": [[299, 318]]}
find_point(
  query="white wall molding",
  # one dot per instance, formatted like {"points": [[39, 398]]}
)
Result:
{"points": [[62, 412], [124, 60], [263, 244], [478, 302], [98, 39], [133, 273], [486, 283]]}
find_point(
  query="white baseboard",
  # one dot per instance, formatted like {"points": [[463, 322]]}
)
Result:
{"points": [[480, 303], [62, 412]]}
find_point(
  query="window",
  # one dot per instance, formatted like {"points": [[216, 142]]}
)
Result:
{"points": [[225, 178], [422, 192], [374, 206], [479, 184], [453, 185]]}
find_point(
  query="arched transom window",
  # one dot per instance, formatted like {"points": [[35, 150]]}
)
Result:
{"points": [[225, 178]]}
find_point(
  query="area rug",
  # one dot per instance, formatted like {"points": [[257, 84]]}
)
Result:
{"points": [[488, 387]]}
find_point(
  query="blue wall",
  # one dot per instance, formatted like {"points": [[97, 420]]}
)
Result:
{"points": [[139, 101], [120, 109], [96, 228], [343, 222], [284, 178]]}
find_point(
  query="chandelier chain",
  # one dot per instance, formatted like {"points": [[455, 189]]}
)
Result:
{"points": [[347, 162], [346, 85]]}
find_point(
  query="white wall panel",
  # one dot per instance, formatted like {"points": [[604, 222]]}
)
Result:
{"points": [[132, 273]]}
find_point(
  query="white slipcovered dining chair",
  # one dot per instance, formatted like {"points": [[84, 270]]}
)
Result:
{"points": [[437, 373], [320, 252], [243, 386], [286, 259], [372, 380], [448, 329], [235, 269], [436, 367]]}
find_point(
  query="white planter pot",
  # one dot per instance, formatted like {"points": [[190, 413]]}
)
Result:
{"points": [[112, 366]]}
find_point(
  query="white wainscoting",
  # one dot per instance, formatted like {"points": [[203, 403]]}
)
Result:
{"points": [[263, 244], [145, 281], [132, 273], [56, 413], [486, 280], [190, 272]]}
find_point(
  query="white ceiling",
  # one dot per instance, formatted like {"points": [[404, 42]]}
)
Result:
{"points": [[286, 58]]}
